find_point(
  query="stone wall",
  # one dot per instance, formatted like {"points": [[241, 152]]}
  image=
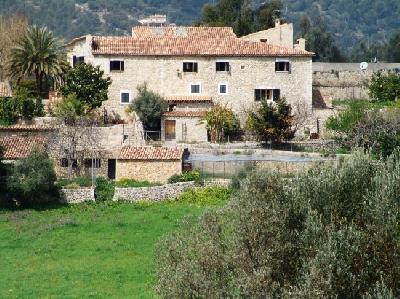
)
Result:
{"points": [[333, 81], [280, 35], [148, 170], [164, 75], [196, 129], [72, 196], [168, 191]]}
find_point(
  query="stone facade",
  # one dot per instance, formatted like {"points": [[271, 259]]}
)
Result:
{"points": [[73, 196], [148, 170], [187, 129], [281, 35], [164, 75]]}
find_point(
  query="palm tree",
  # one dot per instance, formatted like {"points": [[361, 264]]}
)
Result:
{"points": [[37, 54]]}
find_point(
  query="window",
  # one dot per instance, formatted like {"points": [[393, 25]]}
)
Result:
{"points": [[195, 88], [77, 60], [95, 162], [125, 97], [64, 163], [222, 88], [263, 94], [116, 66], [222, 66], [190, 67], [282, 66]]}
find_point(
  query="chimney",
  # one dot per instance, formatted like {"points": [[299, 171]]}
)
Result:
{"points": [[301, 44]]}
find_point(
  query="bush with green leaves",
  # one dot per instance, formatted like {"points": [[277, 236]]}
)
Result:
{"points": [[345, 120], [271, 122], [149, 106], [377, 132], [104, 189], [221, 122], [187, 176], [70, 108], [130, 183], [384, 86], [32, 179], [88, 84], [21, 106], [331, 232], [80, 181]]}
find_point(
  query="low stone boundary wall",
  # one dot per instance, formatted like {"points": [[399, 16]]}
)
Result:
{"points": [[168, 191], [224, 183], [80, 195]]}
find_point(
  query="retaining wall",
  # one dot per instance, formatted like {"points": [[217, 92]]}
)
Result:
{"points": [[72, 196], [168, 191], [333, 81]]}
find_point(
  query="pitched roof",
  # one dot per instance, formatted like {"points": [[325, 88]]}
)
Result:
{"points": [[27, 128], [19, 147], [195, 45], [184, 113], [150, 153], [5, 90], [180, 31], [188, 98]]}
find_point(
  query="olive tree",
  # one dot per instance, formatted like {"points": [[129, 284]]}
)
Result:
{"points": [[330, 232]]}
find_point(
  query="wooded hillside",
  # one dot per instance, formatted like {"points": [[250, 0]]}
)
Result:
{"points": [[351, 21]]}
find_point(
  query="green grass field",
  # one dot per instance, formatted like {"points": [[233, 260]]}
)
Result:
{"points": [[90, 250]]}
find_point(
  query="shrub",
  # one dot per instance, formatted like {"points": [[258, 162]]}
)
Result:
{"points": [[32, 179], [70, 108], [377, 132], [345, 120], [221, 122], [330, 232], [82, 181], [9, 111], [104, 189], [129, 183], [22, 105], [207, 196], [272, 122], [88, 84], [149, 105], [186, 176], [384, 86]]}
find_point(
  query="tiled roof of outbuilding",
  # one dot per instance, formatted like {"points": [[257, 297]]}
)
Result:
{"points": [[28, 128], [19, 147], [150, 153], [188, 98], [184, 113]]}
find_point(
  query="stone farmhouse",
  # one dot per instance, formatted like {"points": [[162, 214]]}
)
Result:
{"points": [[113, 157], [197, 67]]}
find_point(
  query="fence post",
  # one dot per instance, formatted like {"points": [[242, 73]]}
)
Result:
{"points": [[224, 170]]}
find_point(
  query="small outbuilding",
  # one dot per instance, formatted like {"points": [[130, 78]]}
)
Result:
{"points": [[154, 164]]}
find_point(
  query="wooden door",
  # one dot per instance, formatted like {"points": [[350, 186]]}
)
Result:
{"points": [[170, 129]]}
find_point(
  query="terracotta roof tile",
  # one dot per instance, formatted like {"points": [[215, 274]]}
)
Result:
{"points": [[150, 153], [18, 147], [188, 98], [28, 128], [189, 46], [184, 113]]}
